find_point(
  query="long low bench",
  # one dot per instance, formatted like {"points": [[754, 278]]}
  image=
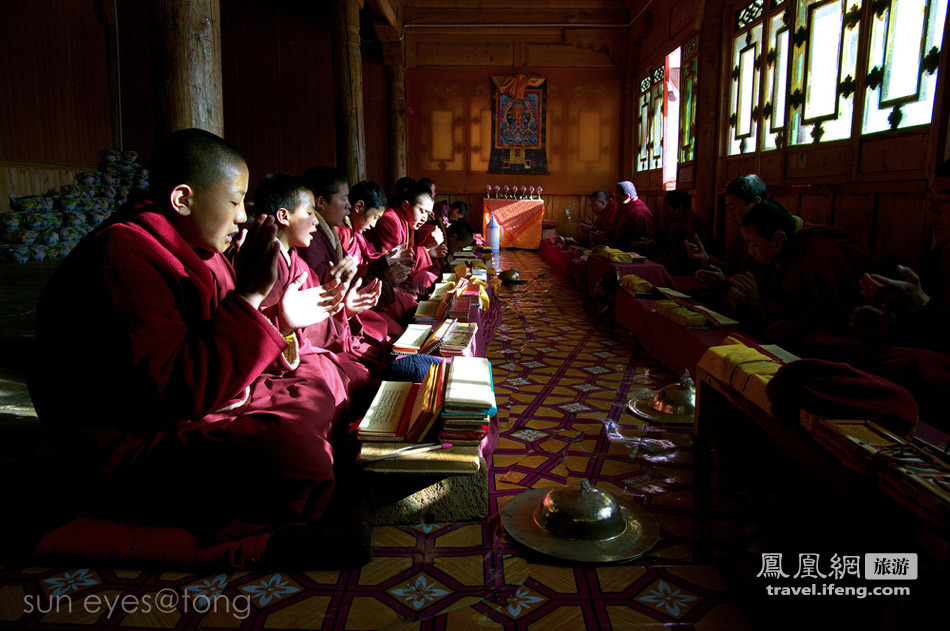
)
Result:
{"points": [[680, 349]]}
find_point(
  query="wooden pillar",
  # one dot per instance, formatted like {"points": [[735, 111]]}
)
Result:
{"points": [[187, 52], [398, 125], [105, 11], [348, 90], [707, 158]]}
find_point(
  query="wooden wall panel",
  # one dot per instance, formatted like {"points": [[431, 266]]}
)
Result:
{"points": [[739, 166], [567, 56], [464, 53], [278, 92], [54, 88], [900, 229], [467, 93], [817, 207], [23, 180], [855, 213], [139, 110], [790, 200], [657, 38], [819, 162], [892, 155], [376, 115]]}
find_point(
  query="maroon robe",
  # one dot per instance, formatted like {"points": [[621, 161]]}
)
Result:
{"points": [[672, 250], [917, 354], [815, 283], [165, 385], [330, 337], [378, 324], [392, 230], [633, 222], [368, 344]]}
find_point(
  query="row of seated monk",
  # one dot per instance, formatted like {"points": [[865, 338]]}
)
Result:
{"points": [[814, 289], [205, 367]]}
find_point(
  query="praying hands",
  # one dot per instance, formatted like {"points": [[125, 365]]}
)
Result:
{"points": [[299, 308]]}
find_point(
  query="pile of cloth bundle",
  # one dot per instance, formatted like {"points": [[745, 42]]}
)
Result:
{"points": [[49, 226]]}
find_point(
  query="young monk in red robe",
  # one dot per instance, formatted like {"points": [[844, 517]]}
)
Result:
{"points": [[367, 205], [394, 234], [183, 403], [368, 337], [289, 200]]}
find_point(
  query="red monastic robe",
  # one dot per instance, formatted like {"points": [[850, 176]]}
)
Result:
{"points": [[633, 222], [167, 386], [367, 340], [330, 337], [815, 283], [379, 325], [392, 230]]}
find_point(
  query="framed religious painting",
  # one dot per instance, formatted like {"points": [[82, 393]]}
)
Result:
{"points": [[518, 125]]}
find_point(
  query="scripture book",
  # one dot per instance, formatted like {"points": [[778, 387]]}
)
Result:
{"points": [[412, 339]]}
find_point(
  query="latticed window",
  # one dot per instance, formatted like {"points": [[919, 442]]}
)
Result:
{"points": [[744, 111], [643, 125], [902, 61], [824, 65], [656, 118], [776, 81], [689, 92]]}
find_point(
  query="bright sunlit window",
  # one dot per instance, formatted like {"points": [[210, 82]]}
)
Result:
{"points": [[902, 61]]}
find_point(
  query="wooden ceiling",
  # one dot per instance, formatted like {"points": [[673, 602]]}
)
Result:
{"points": [[434, 13]]}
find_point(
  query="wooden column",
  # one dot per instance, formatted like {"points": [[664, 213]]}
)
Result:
{"points": [[186, 38], [348, 90], [398, 125], [707, 145]]}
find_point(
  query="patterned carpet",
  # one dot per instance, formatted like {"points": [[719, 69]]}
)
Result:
{"points": [[562, 381]]}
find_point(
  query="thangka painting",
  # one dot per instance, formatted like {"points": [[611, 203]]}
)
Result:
{"points": [[518, 117]]}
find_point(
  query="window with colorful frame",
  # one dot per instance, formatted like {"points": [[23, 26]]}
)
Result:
{"points": [[903, 55], [643, 124], [689, 92], [656, 118], [824, 65], [776, 80], [744, 104]]}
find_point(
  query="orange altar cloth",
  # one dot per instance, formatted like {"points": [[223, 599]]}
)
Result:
{"points": [[520, 219]]}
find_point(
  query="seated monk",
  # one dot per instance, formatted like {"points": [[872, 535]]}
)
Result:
{"points": [[367, 205], [289, 200], [741, 195], [366, 339], [176, 394], [458, 210], [808, 280], [681, 226], [633, 225], [431, 235], [394, 235], [460, 236], [604, 212], [907, 323]]}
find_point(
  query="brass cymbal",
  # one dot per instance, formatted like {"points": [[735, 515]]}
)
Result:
{"points": [[580, 523]]}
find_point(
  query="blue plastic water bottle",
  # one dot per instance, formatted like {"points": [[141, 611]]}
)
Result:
{"points": [[494, 231]]}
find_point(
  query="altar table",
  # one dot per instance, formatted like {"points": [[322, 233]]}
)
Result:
{"points": [[519, 218]]}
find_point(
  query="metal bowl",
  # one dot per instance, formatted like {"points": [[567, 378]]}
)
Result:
{"points": [[510, 275]]}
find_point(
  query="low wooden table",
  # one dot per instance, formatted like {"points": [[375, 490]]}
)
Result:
{"points": [[718, 403]]}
